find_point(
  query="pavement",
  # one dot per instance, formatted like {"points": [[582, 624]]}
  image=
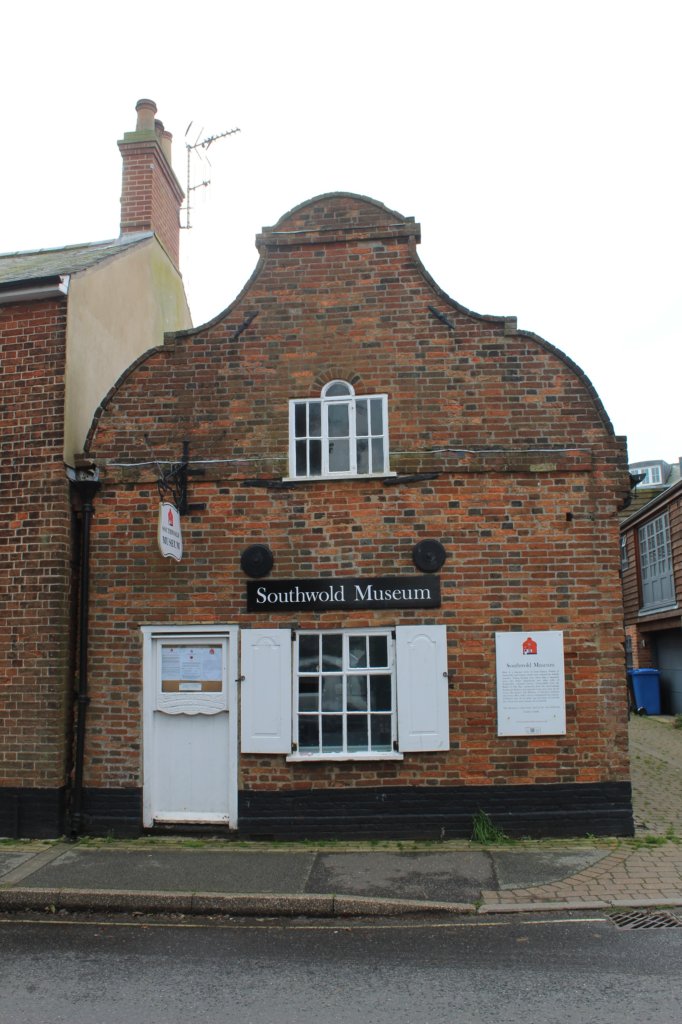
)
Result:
{"points": [[212, 877]]}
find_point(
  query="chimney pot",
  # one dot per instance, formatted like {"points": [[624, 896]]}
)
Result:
{"points": [[145, 115], [166, 144]]}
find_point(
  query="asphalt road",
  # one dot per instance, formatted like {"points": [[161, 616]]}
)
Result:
{"points": [[508, 969]]}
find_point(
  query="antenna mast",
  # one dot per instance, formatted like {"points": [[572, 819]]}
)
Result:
{"points": [[196, 147]]}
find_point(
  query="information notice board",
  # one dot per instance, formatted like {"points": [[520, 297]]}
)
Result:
{"points": [[197, 668], [531, 691]]}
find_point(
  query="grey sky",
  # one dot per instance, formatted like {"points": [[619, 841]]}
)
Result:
{"points": [[536, 142]]}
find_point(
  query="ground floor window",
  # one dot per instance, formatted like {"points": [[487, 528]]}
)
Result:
{"points": [[345, 693], [338, 694]]}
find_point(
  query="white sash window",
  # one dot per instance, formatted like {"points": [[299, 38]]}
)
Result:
{"points": [[339, 434], [362, 694]]}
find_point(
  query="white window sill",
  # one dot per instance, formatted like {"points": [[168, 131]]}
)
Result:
{"points": [[338, 476], [308, 758], [658, 609]]}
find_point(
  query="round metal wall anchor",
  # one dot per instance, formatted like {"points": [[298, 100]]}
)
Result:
{"points": [[429, 555], [257, 560]]}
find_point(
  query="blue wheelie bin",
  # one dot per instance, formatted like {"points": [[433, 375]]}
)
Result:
{"points": [[646, 686]]}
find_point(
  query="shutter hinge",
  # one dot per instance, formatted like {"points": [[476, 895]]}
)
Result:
{"points": [[294, 745], [395, 745], [393, 634]]}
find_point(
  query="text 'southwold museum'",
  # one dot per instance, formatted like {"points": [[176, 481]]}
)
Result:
{"points": [[397, 601]]}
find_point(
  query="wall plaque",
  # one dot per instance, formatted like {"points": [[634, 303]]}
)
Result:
{"points": [[530, 683]]}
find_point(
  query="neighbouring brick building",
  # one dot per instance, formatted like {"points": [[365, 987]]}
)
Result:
{"points": [[71, 320], [399, 600], [651, 567]]}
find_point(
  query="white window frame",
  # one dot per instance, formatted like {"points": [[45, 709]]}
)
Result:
{"points": [[346, 670], [656, 570], [334, 394], [653, 476]]}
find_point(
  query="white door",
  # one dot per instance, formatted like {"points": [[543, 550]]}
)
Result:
{"points": [[190, 771]]}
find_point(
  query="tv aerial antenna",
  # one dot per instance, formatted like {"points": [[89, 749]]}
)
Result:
{"points": [[198, 148]]}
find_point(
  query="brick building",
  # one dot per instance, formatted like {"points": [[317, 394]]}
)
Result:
{"points": [[398, 602], [71, 320]]}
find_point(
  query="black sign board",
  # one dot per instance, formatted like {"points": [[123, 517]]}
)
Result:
{"points": [[343, 592]]}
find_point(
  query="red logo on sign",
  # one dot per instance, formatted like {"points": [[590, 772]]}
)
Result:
{"points": [[170, 516], [529, 646]]}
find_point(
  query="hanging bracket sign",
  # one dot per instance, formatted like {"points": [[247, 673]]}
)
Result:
{"points": [[169, 534]]}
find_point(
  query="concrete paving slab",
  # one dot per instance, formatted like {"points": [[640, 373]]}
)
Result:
{"points": [[176, 870], [441, 877], [521, 868], [10, 860]]}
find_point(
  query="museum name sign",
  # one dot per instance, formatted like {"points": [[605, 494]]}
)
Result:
{"points": [[343, 593]]}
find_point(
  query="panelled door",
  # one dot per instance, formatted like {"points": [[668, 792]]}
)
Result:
{"points": [[190, 755]]}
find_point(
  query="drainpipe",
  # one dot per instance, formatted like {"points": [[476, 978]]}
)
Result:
{"points": [[86, 488]]}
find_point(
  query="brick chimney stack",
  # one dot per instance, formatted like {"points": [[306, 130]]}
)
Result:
{"points": [[151, 195]]}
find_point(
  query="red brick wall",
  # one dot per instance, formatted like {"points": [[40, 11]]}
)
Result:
{"points": [[532, 536], [35, 529]]}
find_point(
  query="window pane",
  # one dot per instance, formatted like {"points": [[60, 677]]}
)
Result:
{"points": [[301, 459], [377, 418], [300, 419], [308, 652], [315, 419], [308, 733], [363, 455], [332, 733], [315, 458], [378, 651], [332, 652], [377, 455], [339, 387], [308, 695], [361, 417], [380, 691], [381, 732], [338, 422], [356, 693], [339, 457], [332, 693], [357, 733], [357, 651]]}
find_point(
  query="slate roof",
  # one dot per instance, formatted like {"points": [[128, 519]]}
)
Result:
{"points": [[16, 267]]}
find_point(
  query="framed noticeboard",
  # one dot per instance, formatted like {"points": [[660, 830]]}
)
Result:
{"points": [[531, 692], [195, 668]]}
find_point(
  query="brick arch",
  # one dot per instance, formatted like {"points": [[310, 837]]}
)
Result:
{"points": [[336, 373]]}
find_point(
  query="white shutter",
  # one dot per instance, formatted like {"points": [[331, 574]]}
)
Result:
{"points": [[266, 691], [422, 683]]}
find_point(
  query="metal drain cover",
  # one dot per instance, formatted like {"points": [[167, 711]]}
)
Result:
{"points": [[645, 919]]}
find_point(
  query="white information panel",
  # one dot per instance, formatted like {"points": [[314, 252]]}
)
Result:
{"points": [[531, 693]]}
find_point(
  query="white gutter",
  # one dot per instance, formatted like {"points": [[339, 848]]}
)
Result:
{"points": [[29, 293]]}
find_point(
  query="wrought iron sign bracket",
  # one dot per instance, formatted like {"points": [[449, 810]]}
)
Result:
{"points": [[173, 484]]}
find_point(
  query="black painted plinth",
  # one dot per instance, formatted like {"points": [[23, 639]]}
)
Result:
{"points": [[600, 809]]}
